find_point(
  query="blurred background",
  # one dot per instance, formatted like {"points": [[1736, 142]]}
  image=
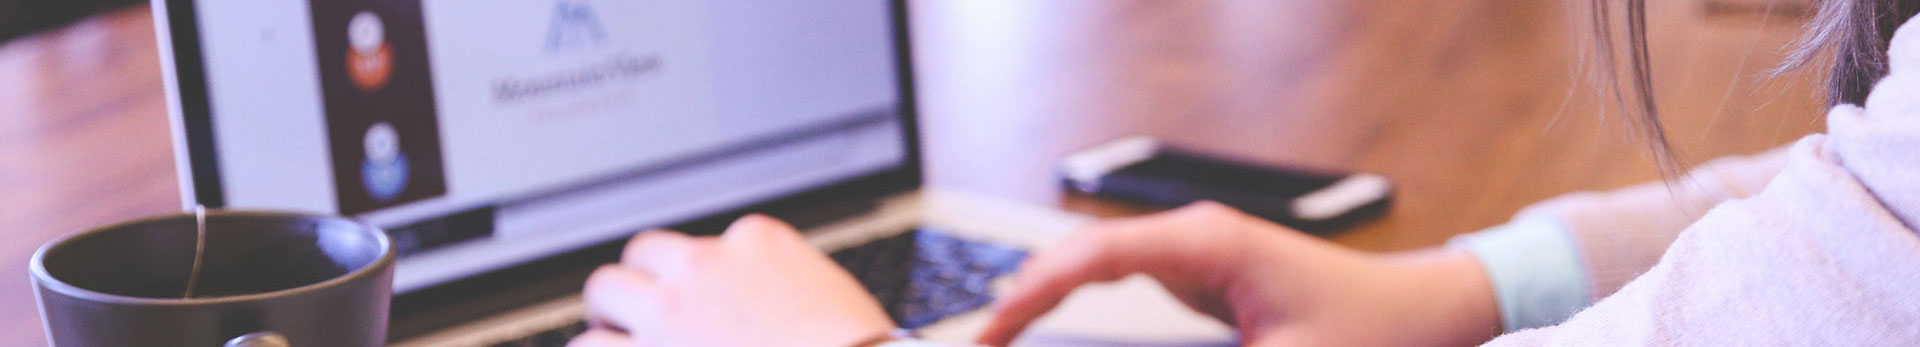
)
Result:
{"points": [[1474, 108], [25, 17]]}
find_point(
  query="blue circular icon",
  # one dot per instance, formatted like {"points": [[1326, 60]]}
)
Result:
{"points": [[384, 172]]}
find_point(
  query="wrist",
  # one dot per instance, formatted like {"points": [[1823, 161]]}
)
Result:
{"points": [[1471, 298], [1460, 299]]}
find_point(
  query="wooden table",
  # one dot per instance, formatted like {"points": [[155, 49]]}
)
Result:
{"points": [[1467, 105]]}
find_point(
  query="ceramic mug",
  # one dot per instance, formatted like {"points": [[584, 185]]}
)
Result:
{"points": [[265, 279]]}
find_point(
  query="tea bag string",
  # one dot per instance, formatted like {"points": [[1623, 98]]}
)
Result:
{"points": [[199, 247]]}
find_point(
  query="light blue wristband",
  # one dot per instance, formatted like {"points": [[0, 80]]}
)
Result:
{"points": [[1535, 270]]}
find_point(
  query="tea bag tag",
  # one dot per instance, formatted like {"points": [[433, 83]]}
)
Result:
{"points": [[199, 248]]}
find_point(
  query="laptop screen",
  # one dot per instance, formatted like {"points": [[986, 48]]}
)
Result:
{"points": [[486, 134]]}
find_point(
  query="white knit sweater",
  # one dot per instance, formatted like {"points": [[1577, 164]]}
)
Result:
{"points": [[1825, 254]]}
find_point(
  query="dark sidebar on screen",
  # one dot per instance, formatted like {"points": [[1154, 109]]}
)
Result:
{"points": [[378, 93]]}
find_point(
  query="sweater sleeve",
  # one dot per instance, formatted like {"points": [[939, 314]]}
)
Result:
{"points": [[1558, 256], [1535, 270], [1621, 233]]}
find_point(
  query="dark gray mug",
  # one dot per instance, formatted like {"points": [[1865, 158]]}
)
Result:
{"points": [[266, 279]]}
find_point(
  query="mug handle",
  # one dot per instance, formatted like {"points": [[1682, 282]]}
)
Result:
{"points": [[259, 339]]}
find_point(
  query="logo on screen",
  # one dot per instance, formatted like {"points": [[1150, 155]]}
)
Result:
{"points": [[574, 26], [384, 172], [369, 57]]}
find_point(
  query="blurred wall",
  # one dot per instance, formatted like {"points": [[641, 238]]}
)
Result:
{"points": [[25, 17]]}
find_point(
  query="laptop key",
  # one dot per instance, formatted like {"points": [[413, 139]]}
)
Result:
{"points": [[922, 276]]}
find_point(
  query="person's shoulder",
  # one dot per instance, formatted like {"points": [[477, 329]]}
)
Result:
{"points": [[1903, 51]]}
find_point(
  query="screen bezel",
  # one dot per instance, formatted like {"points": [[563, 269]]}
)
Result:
{"points": [[178, 28]]}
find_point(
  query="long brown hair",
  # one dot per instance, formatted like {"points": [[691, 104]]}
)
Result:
{"points": [[1852, 33]]}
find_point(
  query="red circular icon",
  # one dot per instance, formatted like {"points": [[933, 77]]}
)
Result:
{"points": [[369, 57]]}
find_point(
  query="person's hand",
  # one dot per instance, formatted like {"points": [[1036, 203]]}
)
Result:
{"points": [[758, 284], [1277, 286]]}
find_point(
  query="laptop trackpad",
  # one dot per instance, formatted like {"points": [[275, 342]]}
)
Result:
{"points": [[1134, 311]]}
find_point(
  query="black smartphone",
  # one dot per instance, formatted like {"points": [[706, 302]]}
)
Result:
{"points": [[1145, 171]]}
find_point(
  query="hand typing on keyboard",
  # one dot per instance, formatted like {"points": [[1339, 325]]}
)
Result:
{"points": [[1277, 286], [758, 284]]}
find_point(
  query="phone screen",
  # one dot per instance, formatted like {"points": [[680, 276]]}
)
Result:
{"points": [[1142, 171], [1218, 173]]}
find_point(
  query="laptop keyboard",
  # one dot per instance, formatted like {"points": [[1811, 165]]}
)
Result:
{"points": [[922, 276], [919, 276]]}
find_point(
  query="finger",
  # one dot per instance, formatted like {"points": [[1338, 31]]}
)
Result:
{"points": [[757, 228], [1100, 252], [1297, 335], [595, 320], [623, 298], [1046, 279], [1176, 247], [658, 252], [601, 338]]}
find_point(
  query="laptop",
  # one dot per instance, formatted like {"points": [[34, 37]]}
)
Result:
{"points": [[509, 148]]}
